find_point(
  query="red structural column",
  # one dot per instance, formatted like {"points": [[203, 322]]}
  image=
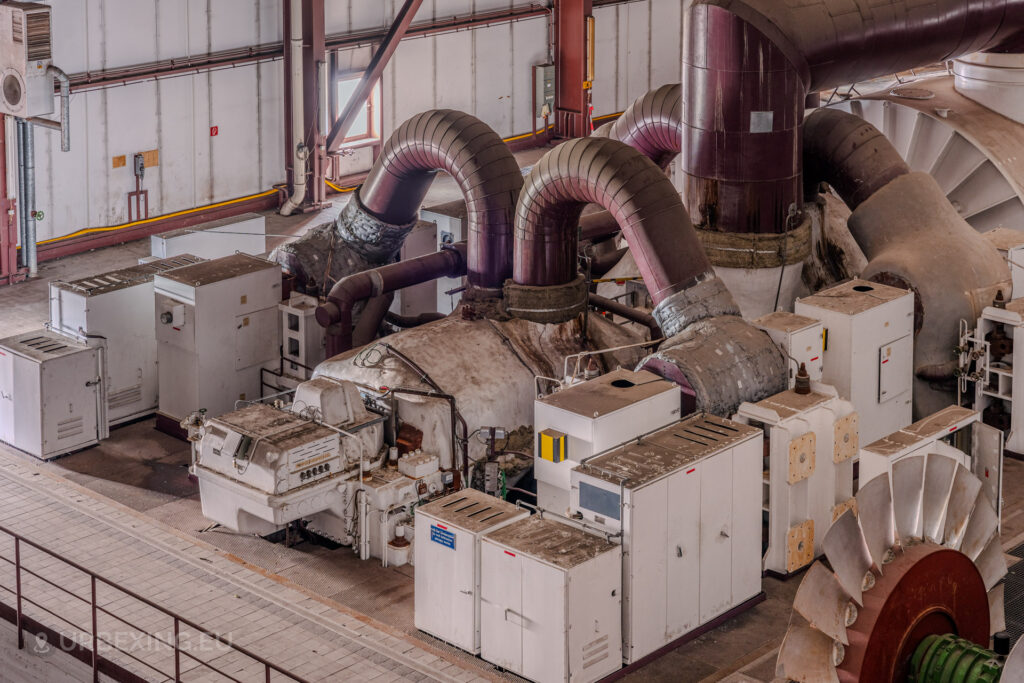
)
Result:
{"points": [[572, 66], [314, 55], [8, 218]]}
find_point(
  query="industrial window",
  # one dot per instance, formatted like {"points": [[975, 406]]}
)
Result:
{"points": [[364, 127]]}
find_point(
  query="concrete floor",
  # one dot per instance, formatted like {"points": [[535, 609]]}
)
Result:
{"points": [[147, 471]]}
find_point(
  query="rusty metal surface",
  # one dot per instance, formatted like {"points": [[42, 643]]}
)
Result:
{"points": [[927, 589], [480, 163], [632, 188]]}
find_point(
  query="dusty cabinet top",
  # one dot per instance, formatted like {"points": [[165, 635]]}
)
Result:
{"points": [[609, 393], [216, 270], [784, 321], [553, 542], [41, 345], [471, 510], [854, 296], [945, 421], [122, 278], [656, 455]]}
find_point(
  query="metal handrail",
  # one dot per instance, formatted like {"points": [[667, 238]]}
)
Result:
{"points": [[95, 608]]}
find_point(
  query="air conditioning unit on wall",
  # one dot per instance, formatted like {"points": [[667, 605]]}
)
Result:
{"points": [[26, 89]]}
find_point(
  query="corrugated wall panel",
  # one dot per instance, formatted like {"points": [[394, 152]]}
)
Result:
{"points": [[486, 72]]}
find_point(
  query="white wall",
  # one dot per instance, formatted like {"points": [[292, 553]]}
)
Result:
{"points": [[486, 72]]}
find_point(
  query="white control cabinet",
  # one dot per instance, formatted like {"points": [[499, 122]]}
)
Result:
{"points": [[115, 310], [687, 499], [808, 477], [217, 324], [799, 337], [869, 350], [1010, 244], [550, 602], [51, 394], [592, 417], [955, 432], [246, 233], [448, 531]]}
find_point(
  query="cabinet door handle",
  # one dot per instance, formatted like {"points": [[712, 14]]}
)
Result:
{"points": [[725, 532], [466, 592], [679, 551]]}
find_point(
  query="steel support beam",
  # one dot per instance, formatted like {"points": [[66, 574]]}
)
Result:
{"points": [[573, 67], [403, 20]]}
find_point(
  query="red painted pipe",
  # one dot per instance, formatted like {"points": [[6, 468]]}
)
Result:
{"points": [[749, 64], [632, 189], [358, 287], [480, 163], [653, 124]]}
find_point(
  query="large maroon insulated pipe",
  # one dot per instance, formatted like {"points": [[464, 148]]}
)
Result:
{"points": [[652, 124], [481, 164], [748, 65], [632, 189], [336, 313]]}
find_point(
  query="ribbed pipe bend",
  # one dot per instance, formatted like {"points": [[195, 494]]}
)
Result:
{"points": [[636, 193], [468, 150], [653, 124], [849, 154]]}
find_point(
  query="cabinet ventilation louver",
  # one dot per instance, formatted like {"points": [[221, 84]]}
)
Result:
{"points": [[38, 35]]}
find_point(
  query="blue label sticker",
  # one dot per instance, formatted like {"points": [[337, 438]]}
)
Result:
{"points": [[442, 536]]}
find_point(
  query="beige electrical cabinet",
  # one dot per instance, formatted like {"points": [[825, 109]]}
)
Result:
{"points": [[869, 350], [799, 337], [687, 501]]}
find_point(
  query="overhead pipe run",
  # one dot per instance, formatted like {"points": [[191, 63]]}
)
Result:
{"points": [[301, 152], [337, 313], [719, 359], [912, 237], [749, 64], [652, 125]]}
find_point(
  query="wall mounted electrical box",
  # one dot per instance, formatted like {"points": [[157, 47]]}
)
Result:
{"points": [[447, 548], [687, 501], [550, 602], [245, 233], [544, 95], [808, 471], [217, 323], [868, 350], [1010, 244], [26, 89], [115, 310], [591, 417], [51, 394], [800, 338], [955, 432]]}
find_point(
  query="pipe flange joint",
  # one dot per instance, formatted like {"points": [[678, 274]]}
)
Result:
{"points": [[706, 299], [549, 305], [370, 237]]}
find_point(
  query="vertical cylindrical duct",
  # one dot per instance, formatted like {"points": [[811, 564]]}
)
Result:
{"points": [[19, 134], [29, 244]]}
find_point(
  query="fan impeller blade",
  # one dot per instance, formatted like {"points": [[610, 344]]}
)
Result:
{"points": [[907, 491], [874, 510], [847, 553], [807, 656], [962, 499], [938, 480], [821, 600]]}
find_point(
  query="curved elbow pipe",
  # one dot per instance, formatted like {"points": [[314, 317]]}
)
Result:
{"points": [[632, 189], [749, 64], [336, 313], [653, 124], [849, 154], [481, 164]]}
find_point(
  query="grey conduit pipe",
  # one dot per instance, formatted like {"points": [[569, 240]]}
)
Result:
{"points": [[912, 237], [717, 358], [19, 134], [336, 313], [385, 208], [28, 208]]}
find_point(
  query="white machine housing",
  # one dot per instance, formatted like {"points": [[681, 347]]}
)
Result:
{"points": [[955, 432], [246, 233], [868, 351], [808, 478], [51, 394], [996, 384], [448, 532], [26, 89], [302, 337], [1010, 244], [550, 604], [800, 338], [115, 310], [687, 501], [594, 416], [217, 324]]}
